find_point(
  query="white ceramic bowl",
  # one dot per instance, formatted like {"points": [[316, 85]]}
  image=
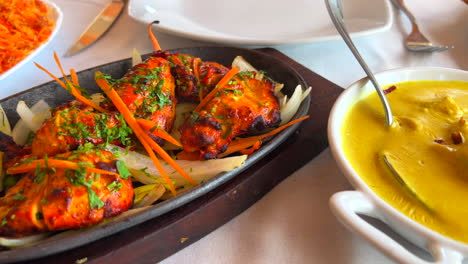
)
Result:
{"points": [[57, 16], [363, 201]]}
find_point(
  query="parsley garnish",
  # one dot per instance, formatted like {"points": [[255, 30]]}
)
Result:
{"points": [[194, 117], [18, 197], [122, 169], [94, 201], [114, 186]]}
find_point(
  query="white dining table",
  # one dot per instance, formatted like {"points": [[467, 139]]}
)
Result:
{"points": [[293, 222]]}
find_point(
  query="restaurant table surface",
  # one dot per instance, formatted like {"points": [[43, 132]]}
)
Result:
{"points": [[293, 222]]}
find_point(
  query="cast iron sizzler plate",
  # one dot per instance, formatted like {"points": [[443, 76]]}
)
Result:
{"points": [[55, 95]]}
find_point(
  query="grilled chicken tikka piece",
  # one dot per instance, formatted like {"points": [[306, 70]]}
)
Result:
{"points": [[57, 199], [244, 105], [189, 88], [148, 90]]}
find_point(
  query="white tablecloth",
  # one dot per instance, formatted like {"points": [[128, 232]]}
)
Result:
{"points": [[292, 223]]}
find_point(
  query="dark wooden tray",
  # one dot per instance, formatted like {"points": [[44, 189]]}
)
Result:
{"points": [[161, 237]]}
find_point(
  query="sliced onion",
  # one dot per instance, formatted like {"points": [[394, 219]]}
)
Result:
{"points": [[136, 57], [21, 130], [243, 65], [149, 197], [183, 110], [278, 88], [199, 170], [4, 123], [306, 93], [24, 241], [27, 115], [289, 108]]}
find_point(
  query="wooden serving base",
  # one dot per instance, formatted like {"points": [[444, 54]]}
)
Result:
{"points": [[158, 238]]}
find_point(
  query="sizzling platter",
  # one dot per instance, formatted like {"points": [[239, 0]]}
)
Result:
{"points": [[54, 95]]}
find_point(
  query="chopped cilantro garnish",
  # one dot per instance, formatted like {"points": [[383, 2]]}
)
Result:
{"points": [[238, 93], [194, 117], [122, 169], [94, 201], [114, 186], [17, 196]]}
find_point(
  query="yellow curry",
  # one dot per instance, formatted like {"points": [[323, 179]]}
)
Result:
{"points": [[427, 145]]}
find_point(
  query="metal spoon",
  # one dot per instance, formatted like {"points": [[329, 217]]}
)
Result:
{"points": [[403, 183], [335, 11]]}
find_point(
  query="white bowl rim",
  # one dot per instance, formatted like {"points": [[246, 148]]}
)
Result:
{"points": [[361, 186]]}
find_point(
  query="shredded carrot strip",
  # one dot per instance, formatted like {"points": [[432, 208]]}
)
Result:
{"points": [[281, 128], [226, 78], [51, 75], [168, 159], [53, 163], [244, 143], [24, 26], [239, 145], [74, 77], [252, 149], [73, 91], [154, 40], [196, 68], [151, 127], [59, 64], [120, 105]]}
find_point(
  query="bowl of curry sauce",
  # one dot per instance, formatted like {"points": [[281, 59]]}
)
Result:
{"points": [[427, 144]]}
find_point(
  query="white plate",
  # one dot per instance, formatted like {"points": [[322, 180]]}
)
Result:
{"points": [[56, 15], [260, 22]]}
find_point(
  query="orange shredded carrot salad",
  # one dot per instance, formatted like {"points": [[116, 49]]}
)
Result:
{"points": [[24, 26]]}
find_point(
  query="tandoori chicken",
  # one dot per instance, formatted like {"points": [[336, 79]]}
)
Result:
{"points": [[57, 198], [194, 78], [50, 197], [244, 105], [74, 124], [148, 90]]}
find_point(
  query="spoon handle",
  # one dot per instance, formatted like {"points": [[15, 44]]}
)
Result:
{"points": [[334, 9]]}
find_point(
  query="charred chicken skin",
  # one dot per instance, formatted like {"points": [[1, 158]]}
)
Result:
{"points": [[244, 105], [189, 86], [49, 199]]}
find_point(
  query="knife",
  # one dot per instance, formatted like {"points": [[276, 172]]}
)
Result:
{"points": [[98, 27]]}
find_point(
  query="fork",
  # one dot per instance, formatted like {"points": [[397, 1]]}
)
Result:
{"points": [[416, 41]]}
